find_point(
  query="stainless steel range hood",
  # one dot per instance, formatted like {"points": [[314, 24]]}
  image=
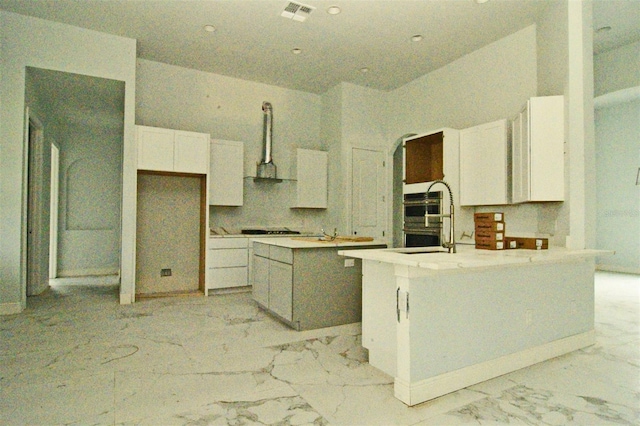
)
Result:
{"points": [[267, 171]]}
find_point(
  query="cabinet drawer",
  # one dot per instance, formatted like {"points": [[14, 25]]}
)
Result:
{"points": [[260, 249], [227, 277], [225, 258], [281, 254], [215, 243]]}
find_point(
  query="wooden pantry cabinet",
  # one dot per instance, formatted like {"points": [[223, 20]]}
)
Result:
{"points": [[538, 151], [170, 150]]}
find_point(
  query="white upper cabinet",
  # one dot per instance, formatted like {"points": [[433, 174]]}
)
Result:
{"points": [[191, 152], [311, 179], [484, 164], [226, 173], [172, 150], [155, 148], [538, 151]]}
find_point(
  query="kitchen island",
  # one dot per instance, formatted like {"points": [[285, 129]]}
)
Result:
{"points": [[305, 283], [438, 322]]}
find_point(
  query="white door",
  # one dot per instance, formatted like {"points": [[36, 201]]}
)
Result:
{"points": [[37, 243], [368, 214]]}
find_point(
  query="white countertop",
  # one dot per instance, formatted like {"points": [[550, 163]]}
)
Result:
{"points": [[261, 236], [304, 243], [468, 256]]}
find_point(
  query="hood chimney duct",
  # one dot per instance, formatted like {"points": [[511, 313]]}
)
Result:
{"points": [[266, 169]]}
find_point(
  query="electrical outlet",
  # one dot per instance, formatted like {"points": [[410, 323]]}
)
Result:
{"points": [[349, 263], [165, 272], [528, 317]]}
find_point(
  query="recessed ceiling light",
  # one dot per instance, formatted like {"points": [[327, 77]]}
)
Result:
{"points": [[604, 29], [209, 28], [333, 10], [364, 70], [481, 1], [416, 37], [296, 51]]}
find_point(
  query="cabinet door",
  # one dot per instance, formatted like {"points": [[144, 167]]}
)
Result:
{"points": [[311, 176], [155, 148], [227, 277], [260, 281], [484, 170], [191, 152], [227, 258], [281, 289], [546, 136], [520, 157], [227, 172]]}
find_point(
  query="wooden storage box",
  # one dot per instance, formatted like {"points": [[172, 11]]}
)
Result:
{"points": [[489, 244], [489, 235], [482, 226], [529, 243], [488, 217]]}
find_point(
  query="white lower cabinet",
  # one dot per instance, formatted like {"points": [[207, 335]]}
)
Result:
{"points": [[281, 289], [227, 263], [261, 279], [310, 287]]}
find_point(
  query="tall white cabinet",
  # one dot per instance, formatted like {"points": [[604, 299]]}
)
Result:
{"points": [[311, 179], [538, 151], [227, 169], [485, 165]]}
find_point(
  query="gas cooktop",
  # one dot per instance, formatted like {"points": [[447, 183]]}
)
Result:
{"points": [[270, 231]]}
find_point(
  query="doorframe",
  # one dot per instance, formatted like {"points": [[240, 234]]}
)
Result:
{"points": [[35, 281], [53, 211]]}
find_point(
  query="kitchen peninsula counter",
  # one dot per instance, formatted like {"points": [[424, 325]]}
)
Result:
{"points": [[439, 322], [305, 283]]}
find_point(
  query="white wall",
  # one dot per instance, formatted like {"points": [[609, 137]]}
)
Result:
{"points": [[618, 155], [486, 85], [229, 108], [617, 69], [43, 44], [617, 136]]}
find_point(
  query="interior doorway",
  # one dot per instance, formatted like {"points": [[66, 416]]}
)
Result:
{"points": [[74, 158], [368, 209]]}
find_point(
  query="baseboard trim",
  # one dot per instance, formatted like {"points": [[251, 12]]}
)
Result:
{"points": [[127, 298], [70, 273], [433, 387], [10, 308], [615, 268]]}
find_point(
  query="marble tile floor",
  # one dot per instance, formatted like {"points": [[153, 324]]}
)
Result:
{"points": [[77, 357]]}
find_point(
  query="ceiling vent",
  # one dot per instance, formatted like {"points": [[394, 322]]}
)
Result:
{"points": [[297, 11]]}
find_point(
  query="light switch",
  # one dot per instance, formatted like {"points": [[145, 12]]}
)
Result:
{"points": [[349, 263]]}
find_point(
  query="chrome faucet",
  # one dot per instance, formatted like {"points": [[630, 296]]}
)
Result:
{"points": [[451, 245]]}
